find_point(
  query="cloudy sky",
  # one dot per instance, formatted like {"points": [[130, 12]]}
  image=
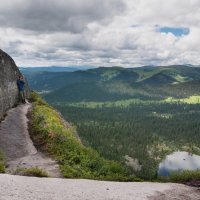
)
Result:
{"points": [[101, 33]]}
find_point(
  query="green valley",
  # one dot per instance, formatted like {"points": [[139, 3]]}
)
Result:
{"points": [[135, 116]]}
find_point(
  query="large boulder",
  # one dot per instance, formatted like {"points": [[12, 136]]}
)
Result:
{"points": [[9, 73]]}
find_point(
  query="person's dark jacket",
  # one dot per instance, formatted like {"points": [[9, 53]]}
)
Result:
{"points": [[20, 84]]}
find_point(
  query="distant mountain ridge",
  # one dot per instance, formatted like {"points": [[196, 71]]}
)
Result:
{"points": [[116, 83], [54, 69]]}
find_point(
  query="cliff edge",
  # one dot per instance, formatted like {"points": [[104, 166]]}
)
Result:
{"points": [[8, 88]]}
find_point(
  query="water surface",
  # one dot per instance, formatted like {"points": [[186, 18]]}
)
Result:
{"points": [[179, 161]]}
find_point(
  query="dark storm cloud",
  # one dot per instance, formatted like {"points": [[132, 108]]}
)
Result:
{"points": [[60, 16]]}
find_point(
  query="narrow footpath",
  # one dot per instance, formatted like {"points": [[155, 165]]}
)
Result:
{"points": [[17, 146]]}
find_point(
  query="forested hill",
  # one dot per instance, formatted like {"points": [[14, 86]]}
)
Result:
{"points": [[110, 84]]}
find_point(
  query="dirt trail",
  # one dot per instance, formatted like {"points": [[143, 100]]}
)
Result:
{"points": [[19, 150]]}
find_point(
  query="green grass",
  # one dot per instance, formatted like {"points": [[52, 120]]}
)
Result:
{"points": [[145, 74], [110, 74], [2, 163], [110, 104], [34, 171], [76, 160], [190, 100], [180, 78], [128, 102], [185, 176]]}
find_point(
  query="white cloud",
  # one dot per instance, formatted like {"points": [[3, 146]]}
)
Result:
{"points": [[95, 32]]}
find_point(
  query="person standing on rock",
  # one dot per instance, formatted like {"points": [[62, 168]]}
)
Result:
{"points": [[21, 85]]}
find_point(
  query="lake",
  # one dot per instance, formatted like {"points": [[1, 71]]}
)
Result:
{"points": [[179, 161]]}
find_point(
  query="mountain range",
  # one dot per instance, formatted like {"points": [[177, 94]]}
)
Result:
{"points": [[54, 69], [116, 83]]}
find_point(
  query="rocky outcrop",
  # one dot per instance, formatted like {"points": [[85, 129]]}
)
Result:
{"points": [[8, 88]]}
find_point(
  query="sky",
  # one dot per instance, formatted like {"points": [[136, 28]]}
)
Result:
{"points": [[127, 33]]}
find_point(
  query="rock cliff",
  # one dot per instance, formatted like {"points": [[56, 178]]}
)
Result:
{"points": [[8, 88]]}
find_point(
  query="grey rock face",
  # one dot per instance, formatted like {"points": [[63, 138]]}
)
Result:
{"points": [[8, 88]]}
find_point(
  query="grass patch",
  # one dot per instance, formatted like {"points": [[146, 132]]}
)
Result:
{"points": [[189, 100], [145, 74], [34, 171], [180, 78], [110, 104], [2, 163], [76, 160], [134, 101]]}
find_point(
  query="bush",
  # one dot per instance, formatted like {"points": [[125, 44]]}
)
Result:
{"points": [[181, 177], [34, 171], [185, 176], [2, 163]]}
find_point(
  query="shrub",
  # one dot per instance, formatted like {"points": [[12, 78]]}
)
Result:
{"points": [[185, 176], [2, 163], [34, 171]]}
